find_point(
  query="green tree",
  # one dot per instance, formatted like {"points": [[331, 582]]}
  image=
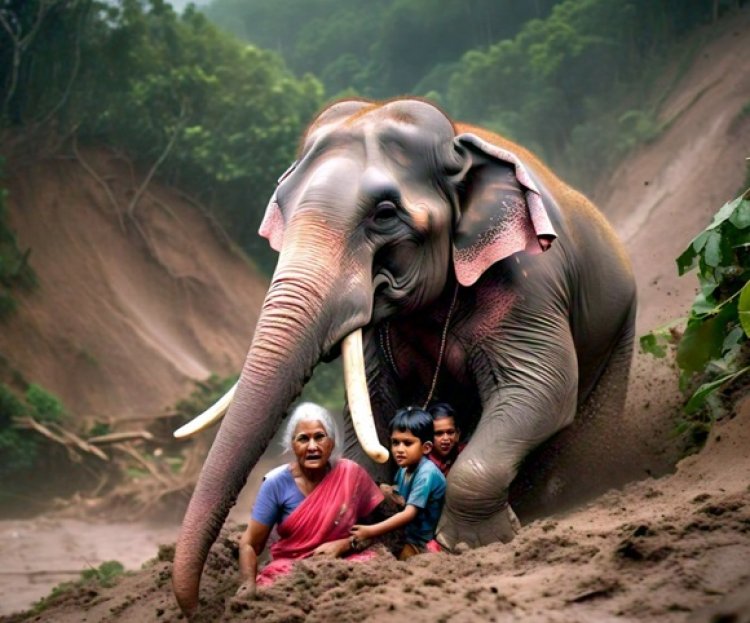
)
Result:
{"points": [[190, 105]]}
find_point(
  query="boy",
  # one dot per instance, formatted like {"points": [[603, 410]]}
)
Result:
{"points": [[446, 446], [419, 487]]}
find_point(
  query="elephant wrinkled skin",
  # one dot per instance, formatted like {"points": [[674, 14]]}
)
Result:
{"points": [[389, 212]]}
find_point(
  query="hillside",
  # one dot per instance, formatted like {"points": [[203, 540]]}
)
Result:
{"points": [[666, 192], [669, 549], [130, 311]]}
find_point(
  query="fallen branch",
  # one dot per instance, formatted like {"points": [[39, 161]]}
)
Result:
{"points": [[62, 437], [83, 445], [133, 453], [100, 440], [43, 572]]}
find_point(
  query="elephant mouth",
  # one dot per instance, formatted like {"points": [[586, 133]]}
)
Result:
{"points": [[331, 354]]}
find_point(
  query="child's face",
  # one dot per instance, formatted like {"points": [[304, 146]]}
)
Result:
{"points": [[407, 448], [446, 436]]}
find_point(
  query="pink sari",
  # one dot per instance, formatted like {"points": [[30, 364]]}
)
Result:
{"points": [[347, 494]]}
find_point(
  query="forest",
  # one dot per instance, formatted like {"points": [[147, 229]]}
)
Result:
{"points": [[213, 100]]}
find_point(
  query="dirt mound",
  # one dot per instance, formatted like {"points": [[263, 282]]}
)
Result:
{"points": [[658, 550], [131, 309]]}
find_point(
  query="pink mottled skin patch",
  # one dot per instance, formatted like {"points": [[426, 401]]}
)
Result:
{"points": [[272, 227], [416, 345], [420, 214]]}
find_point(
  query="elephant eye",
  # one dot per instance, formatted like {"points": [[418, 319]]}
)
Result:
{"points": [[384, 212]]}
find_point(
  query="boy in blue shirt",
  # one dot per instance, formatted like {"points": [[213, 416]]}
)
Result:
{"points": [[419, 486]]}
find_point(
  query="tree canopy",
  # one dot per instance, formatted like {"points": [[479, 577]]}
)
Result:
{"points": [[214, 116], [214, 101]]}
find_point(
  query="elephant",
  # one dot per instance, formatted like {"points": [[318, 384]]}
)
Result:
{"points": [[440, 261]]}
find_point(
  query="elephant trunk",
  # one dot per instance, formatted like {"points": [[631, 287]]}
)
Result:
{"points": [[291, 333]]}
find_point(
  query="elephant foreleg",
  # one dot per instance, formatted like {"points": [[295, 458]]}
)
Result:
{"points": [[529, 395]]}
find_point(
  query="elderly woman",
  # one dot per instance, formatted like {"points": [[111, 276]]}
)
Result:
{"points": [[313, 501]]}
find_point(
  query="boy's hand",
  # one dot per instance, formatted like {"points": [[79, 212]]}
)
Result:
{"points": [[361, 533], [391, 495]]}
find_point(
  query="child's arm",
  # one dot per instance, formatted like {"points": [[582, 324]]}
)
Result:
{"points": [[391, 495], [394, 522]]}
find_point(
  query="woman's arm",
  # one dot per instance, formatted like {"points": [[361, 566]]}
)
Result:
{"points": [[394, 522], [334, 549], [252, 543]]}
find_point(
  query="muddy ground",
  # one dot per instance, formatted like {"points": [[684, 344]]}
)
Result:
{"points": [[672, 548]]}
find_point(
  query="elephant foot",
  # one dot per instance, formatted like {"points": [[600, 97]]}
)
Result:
{"points": [[457, 535]]}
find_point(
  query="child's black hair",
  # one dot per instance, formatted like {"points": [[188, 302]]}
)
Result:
{"points": [[440, 410], [415, 421]]}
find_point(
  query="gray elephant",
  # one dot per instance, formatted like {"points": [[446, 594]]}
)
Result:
{"points": [[445, 262]]}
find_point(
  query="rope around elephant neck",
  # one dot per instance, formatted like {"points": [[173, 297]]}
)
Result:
{"points": [[443, 339]]}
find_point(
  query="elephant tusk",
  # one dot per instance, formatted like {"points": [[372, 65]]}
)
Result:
{"points": [[358, 397], [208, 417]]}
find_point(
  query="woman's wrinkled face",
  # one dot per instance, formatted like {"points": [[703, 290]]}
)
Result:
{"points": [[311, 444]]}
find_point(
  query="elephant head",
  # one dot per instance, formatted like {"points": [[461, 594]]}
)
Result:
{"points": [[384, 210]]}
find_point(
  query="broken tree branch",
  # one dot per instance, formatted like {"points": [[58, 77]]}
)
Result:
{"points": [[100, 440]]}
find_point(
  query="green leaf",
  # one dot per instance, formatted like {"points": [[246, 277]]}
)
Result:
{"points": [[743, 308], [650, 344], [700, 395], [703, 340], [687, 261], [655, 342], [712, 251], [741, 217], [732, 341], [702, 306], [725, 213]]}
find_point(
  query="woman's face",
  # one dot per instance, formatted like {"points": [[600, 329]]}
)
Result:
{"points": [[311, 444]]}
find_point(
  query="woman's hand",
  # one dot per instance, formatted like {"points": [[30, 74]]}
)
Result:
{"points": [[246, 589], [332, 549], [362, 533], [252, 542]]}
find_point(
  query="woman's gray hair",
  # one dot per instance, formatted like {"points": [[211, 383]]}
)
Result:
{"points": [[311, 412]]}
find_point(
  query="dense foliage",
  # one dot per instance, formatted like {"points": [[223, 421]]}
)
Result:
{"points": [[189, 104], [378, 48], [15, 270], [220, 119], [714, 350], [22, 449], [558, 76]]}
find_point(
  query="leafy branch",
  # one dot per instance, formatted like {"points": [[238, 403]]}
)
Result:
{"points": [[713, 350]]}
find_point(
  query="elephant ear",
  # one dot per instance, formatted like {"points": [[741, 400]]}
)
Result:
{"points": [[502, 211], [272, 225]]}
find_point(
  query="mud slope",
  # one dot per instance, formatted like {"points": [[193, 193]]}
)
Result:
{"points": [[664, 194], [665, 550], [129, 312]]}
